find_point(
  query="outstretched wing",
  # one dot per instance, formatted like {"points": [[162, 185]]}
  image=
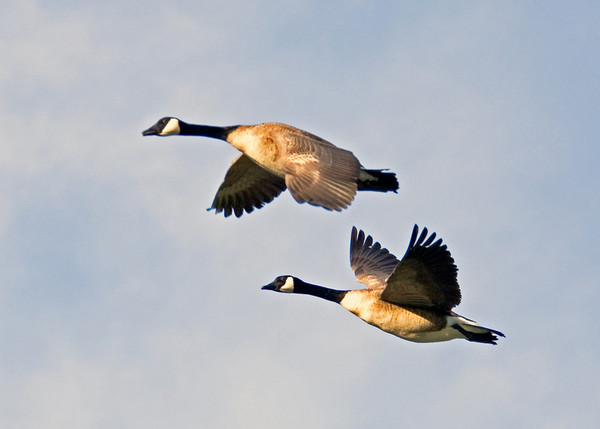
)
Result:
{"points": [[319, 173], [246, 186], [371, 263], [426, 275]]}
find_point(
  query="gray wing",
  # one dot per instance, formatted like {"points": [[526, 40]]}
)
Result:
{"points": [[426, 275], [371, 263], [318, 172], [246, 186]]}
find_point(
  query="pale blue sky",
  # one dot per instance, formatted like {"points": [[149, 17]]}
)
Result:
{"points": [[123, 303]]}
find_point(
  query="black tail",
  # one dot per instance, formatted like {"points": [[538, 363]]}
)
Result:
{"points": [[377, 180], [479, 337]]}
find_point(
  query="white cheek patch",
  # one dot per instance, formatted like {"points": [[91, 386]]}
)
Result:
{"points": [[288, 286], [171, 128]]}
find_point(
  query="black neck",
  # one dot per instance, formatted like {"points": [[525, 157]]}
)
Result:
{"points": [[320, 291], [220, 133]]}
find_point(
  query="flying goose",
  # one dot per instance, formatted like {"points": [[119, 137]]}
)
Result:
{"points": [[412, 298], [277, 156]]}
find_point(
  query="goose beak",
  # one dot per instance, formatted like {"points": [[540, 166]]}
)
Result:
{"points": [[270, 286], [150, 131]]}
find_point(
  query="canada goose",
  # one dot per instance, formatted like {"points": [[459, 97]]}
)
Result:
{"points": [[411, 298], [277, 156]]}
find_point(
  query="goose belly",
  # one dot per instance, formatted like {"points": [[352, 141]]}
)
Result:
{"points": [[418, 325]]}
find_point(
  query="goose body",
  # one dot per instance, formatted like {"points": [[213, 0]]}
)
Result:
{"points": [[411, 298], [277, 156]]}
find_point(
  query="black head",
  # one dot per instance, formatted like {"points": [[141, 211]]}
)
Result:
{"points": [[282, 284], [166, 126]]}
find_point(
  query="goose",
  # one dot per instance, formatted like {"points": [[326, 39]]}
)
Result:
{"points": [[277, 156], [412, 298]]}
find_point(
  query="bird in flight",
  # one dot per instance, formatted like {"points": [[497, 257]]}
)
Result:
{"points": [[411, 298], [277, 156]]}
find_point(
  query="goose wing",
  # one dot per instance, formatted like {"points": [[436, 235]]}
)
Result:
{"points": [[246, 186], [371, 263], [426, 275], [319, 173]]}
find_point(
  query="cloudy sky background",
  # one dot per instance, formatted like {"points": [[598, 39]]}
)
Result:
{"points": [[123, 303]]}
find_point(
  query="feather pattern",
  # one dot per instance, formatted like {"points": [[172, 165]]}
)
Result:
{"points": [[425, 277], [246, 186], [371, 263], [319, 173]]}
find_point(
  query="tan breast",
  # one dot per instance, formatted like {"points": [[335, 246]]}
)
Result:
{"points": [[259, 143], [407, 323]]}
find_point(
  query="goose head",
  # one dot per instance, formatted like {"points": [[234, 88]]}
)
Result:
{"points": [[166, 126], [282, 284]]}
